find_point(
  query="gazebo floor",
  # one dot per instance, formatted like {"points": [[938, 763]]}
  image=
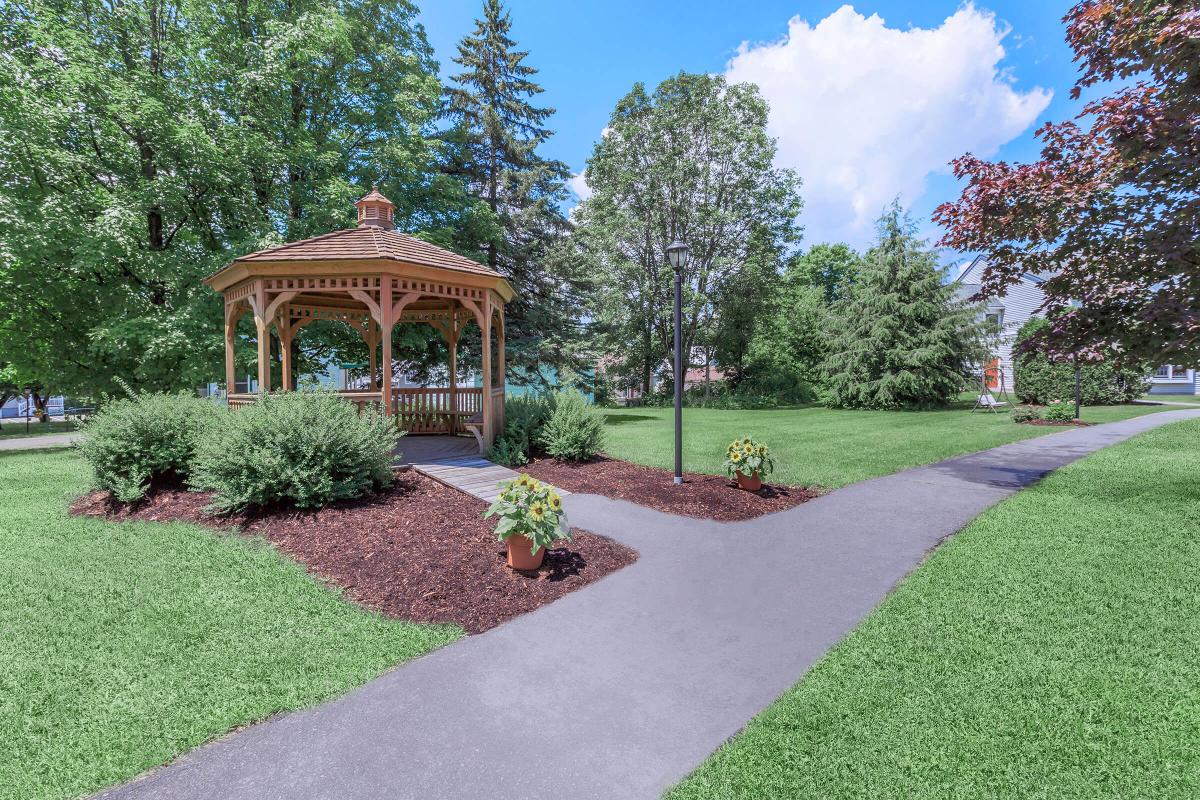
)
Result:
{"points": [[426, 449]]}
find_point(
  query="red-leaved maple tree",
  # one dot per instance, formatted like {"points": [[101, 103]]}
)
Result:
{"points": [[1112, 207]]}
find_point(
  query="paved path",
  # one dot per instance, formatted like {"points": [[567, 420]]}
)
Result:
{"points": [[622, 688], [39, 442]]}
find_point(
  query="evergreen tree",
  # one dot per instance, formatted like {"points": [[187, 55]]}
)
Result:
{"points": [[900, 338], [496, 135]]}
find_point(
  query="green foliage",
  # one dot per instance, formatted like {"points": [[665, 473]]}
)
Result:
{"points": [[747, 456], [788, 347], [144, 145], [1060, 411], [1039, 380], [494, 148], [303, 448], [575, 431], [524, 418], [527, 507], [691, 160], [899, 338], [130, 442], [1026, 414], [832, 268]]}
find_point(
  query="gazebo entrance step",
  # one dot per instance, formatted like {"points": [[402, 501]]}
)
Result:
{"points": [[471, 474]]}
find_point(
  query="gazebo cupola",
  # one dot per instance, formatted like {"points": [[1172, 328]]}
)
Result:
{"points": [[376, 210], [372, 277]]}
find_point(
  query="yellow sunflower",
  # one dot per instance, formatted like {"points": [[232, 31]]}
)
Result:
{"points": [[522, 480], [748, 449], [735, 456], [537, 511], [555, 502]]}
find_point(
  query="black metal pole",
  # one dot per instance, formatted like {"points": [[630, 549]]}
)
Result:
{"points": [[678, 375]]}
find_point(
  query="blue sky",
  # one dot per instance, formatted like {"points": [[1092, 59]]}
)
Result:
{"points": [[865, 108]]}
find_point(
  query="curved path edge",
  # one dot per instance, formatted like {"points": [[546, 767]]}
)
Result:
{"points": [[621, 689]]}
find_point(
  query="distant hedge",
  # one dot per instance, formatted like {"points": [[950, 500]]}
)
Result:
{"points": [[1042, 381]]}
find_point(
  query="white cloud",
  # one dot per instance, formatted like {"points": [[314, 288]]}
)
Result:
{"points": [[866, 113], [579, 185]]}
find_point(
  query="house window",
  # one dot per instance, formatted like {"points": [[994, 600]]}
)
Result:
{"points": [[995, 317], [1171, 372]]}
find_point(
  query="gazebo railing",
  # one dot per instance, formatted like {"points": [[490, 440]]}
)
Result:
{"points": [[418, 410]]}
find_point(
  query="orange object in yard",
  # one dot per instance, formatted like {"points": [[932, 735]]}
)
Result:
{"points": [[992, 373], [520, 555]]}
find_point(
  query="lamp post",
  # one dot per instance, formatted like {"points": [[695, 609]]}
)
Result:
{"points": [[677, 254]]}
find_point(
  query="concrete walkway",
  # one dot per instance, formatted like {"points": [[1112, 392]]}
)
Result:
{"points": [[39, 442], [622, 688]]}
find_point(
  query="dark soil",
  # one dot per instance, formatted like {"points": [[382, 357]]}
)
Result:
{"points": [[1074, 423], [419, 551], [702, 496]]}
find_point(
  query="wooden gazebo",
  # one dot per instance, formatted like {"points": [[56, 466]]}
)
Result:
{"points": [[372, 277]]}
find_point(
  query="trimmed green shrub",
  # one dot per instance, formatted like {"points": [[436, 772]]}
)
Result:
{"points": [[1060, 412], [1037, 379], [524, 418], [1025, 414], [575, 431], [129, 443], [303, 448]]}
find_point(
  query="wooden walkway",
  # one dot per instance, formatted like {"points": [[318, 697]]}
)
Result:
{"points": [[471, 474]]}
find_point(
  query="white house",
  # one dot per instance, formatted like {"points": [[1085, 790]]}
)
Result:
{"points": [[1022, 301]]}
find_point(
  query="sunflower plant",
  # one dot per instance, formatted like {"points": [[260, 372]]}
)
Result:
{"points": [[748, 457], [527, 507]]}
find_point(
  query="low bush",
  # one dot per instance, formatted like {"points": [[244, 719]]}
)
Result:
{"points": [[1060, 411], [303, 448], [524, 418], [1037, 379], [1026, 414], [129, 443], [575, 431]]}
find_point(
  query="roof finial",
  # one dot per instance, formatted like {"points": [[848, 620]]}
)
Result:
{"points": [[375, 210]]}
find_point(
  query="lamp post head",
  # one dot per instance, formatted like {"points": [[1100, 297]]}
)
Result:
{"points": [[677, 253]]}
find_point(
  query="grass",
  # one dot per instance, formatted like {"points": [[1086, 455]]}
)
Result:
{"points": [[1047, 651], [817, 446], [125, 644], [16, 430]]}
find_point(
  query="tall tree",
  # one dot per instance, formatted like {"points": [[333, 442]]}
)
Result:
{"points": [[900, 338], [147, 143], [830, 267], [496, 135], [691, 161], [1111, 210]]}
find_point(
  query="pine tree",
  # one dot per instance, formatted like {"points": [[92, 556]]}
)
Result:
{"points": [[900, 337], [495, 140]]}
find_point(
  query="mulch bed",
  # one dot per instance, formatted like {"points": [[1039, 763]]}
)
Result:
{"points": [[701, 496], [419, 551]]}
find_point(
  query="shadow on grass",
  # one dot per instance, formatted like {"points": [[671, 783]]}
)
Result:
{"points": [[620, 418]]}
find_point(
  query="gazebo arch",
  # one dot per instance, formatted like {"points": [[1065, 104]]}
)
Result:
{"points": [[373, 277]]}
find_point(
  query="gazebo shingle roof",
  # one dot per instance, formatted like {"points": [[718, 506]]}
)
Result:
{"points": [[369, 242]]}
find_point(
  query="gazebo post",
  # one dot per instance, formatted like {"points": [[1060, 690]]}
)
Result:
{"points": [[231, 319], [500, 368], [372, 354], [489, 425], [262, 327], [285, 350], [385, 331], [452, 366]]}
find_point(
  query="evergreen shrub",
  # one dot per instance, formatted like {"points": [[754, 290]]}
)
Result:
{"points": [[575, 431], [1039, 380], [307, 449], [130, 442]]}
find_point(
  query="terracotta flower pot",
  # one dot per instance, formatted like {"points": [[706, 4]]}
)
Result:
{"points": [[751, 482], [519, 556]]}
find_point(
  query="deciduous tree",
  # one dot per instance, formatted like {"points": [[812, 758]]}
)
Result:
{"points": [[1110, 213]]}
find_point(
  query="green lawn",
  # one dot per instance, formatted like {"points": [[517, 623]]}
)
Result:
{"points": [[123, 645], [17, 430], [1050, 650], [817, 446]]}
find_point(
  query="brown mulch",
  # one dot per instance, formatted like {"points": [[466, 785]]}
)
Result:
{"points": [[419, 551], [702, 496], [1075, 423]]}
